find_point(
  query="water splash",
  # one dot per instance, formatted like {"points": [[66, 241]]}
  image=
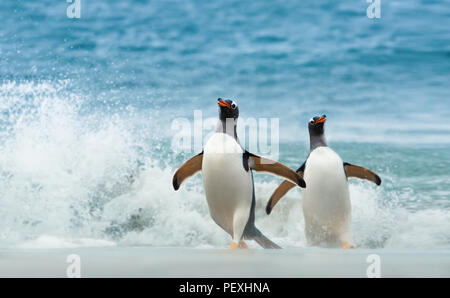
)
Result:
{"points": [[69, 178]]}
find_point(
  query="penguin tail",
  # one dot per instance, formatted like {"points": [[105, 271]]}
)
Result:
{"points": [[262, 240]]}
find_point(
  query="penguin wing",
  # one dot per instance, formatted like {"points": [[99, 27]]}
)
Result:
{"points": [[361, 172], [189, 168], [262, 164], [282, 189]]}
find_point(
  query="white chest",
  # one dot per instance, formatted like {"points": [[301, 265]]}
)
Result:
{"points": [[228, 186], [326, 194]]}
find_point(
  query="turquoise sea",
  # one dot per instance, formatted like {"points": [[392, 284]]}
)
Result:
{"points": [[87, 108]]}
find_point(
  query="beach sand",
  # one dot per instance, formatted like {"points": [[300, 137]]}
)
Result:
{"points": [[191, 262]]}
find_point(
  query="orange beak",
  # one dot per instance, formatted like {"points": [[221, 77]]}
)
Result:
{"points": [[223, 103], [321, 120]]}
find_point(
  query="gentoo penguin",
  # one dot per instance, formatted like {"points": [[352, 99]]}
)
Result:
{"points": [[228, 180], [326, 201]]}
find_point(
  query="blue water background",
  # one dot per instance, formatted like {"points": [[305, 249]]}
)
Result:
{"points": [[384, 83]]}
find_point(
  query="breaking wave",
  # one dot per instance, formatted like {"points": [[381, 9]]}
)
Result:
{"points": [[70, 178]]}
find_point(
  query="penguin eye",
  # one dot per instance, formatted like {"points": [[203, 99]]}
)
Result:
{"points": [[233, 105], [311, 121]]}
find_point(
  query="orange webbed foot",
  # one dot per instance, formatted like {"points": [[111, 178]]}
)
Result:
{"points": [[242, 245], [233, 245], [346, 245]]}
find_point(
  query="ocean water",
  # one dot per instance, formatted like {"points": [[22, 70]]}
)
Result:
{"points": [[87, 108]]}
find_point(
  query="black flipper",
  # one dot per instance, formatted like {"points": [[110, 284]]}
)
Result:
{"points": [[361, 173], [245, 158], [187, 169], [262, 164], [283, 189]]}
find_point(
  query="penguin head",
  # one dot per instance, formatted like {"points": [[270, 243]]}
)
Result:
{"points": [[316, 125], [227, 109]]}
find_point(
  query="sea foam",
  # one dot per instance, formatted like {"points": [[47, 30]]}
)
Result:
{"points": [[70, 179]]}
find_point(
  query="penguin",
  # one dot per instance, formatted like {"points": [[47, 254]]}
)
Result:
{"points": [[227, 173], [326, 200]]}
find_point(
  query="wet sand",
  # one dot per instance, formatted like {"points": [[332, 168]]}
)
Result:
{"points": [[190, 262]]}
